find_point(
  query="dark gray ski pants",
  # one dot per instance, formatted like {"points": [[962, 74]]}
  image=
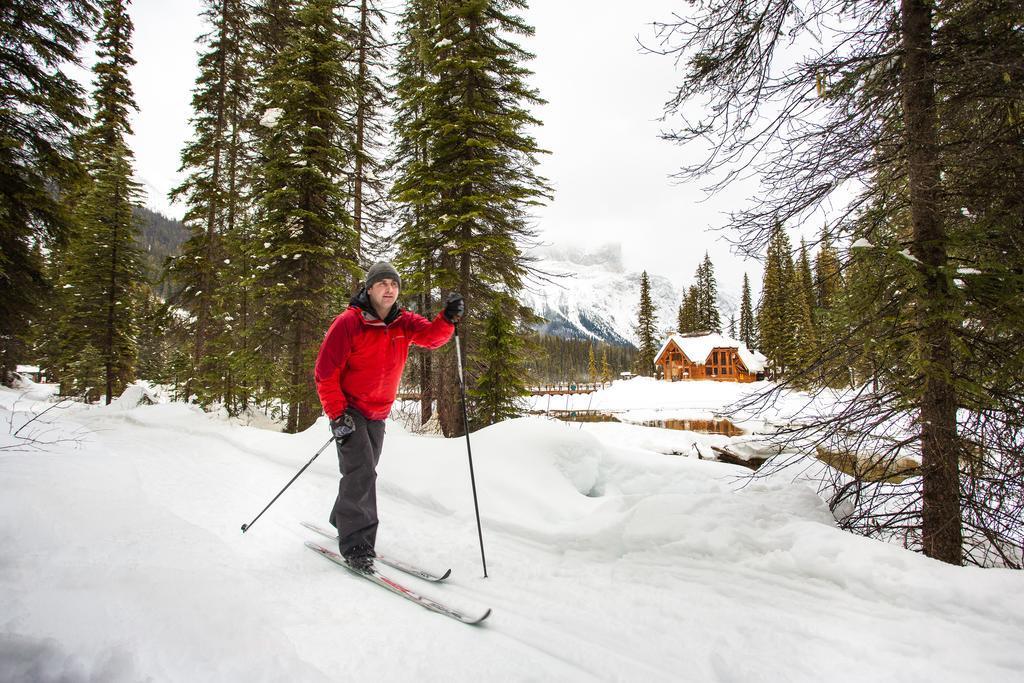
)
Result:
{"points": [[355, 510]]}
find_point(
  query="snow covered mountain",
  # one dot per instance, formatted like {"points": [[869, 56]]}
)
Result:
{"points": [[589, 294]]}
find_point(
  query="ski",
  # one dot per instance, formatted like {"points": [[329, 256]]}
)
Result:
{"points": [[383, 581], [394, 564]]}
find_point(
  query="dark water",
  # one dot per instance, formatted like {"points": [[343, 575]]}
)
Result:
{"points": [[724, 427]]}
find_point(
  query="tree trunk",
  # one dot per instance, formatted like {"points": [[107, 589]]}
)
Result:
{"points": [[296, 380], [941, 517], [357, 191], [449, 398]]}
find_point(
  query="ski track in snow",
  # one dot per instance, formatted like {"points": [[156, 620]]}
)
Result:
{"points": [[123, 561]]}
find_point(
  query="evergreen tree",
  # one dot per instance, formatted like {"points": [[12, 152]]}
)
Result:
{"points": [[41, 110], [368, 176], [732, 326], [606, 371], [806, 280], [689, 317], [747, 334], [552, 360], [827, 275], [803, 346], [918, 104], [501, 381], [103, 264], [646, 329], [156, 339], [410, 164], [303, 225], [708, 317], [87, 371], [592, 366], [775, 322], [465, 171], [209, 265]]}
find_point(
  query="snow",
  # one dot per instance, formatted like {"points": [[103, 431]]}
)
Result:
{"points": [[608, 560], [861, 244], [910, 257], [271, 117]]}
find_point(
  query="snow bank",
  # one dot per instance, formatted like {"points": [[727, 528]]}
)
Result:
{"points": [[608, 560]]}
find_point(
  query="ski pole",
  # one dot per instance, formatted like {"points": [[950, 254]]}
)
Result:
{"points": [[245, 527], [469, 449]]}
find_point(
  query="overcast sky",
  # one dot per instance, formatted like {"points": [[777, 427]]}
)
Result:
{"points": [[609, 169]]}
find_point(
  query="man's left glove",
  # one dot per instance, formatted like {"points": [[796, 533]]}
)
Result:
{"points": [[454, 308], [343, 427]]}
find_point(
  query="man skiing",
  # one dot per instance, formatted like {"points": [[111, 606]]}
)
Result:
{"points": [[357, 374]]}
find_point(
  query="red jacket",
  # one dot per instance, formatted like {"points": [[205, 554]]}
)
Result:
{"points": [[361, 358]]}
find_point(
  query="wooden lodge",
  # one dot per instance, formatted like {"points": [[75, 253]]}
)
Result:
{"points": [[708, 356]]}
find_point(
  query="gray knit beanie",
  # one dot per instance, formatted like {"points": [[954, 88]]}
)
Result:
{"points": [[382, 270]]}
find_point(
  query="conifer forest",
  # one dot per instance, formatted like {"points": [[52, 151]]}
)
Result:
{"points": [[888, 225]]}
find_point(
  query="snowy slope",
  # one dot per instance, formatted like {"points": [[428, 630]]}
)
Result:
{"points": [[588, 294], [123, 561]]}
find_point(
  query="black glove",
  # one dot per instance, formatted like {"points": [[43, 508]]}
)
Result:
{"points": [[454, 308], [343, 427]]}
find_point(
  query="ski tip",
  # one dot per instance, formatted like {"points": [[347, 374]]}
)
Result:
{"points": [[481, 618], [447, 573]]}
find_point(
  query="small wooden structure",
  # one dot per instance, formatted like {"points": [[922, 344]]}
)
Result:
{"points": [[32, 372], [708, 356]]}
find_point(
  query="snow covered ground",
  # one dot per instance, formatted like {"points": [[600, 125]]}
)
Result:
{"points": [[609, 560]]}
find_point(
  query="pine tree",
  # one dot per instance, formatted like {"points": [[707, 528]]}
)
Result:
{"points": [[550, 359], [803, 266], [689, 317], [210, 261], [747, 334], [732, 326], [410, 164], [501, 382], [303, 225], [592, 366], [465, 170], [606, 371], [87, 369], [41, 112], [827, 276], [368, 177], [103, 264], [708, 317], [919, 105], [775, 321], [156, 341], [646, 329], [804, 343]]}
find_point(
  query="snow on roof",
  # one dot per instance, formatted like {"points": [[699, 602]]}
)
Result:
{"points": [[27, 368], [698, 348]]}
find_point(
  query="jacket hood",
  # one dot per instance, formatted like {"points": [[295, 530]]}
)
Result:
{"points": [[362, 301]]}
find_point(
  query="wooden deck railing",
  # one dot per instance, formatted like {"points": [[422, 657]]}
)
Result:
{"points": [[559, 389]]}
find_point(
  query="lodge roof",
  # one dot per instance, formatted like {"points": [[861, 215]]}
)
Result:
{"points": [[698, 347]]}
